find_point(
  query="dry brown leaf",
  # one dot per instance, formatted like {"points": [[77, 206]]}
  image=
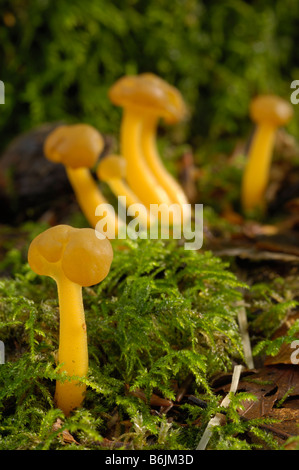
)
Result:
{"points": [[288, 420], [65, 435], [155, 400], [284, 356]]}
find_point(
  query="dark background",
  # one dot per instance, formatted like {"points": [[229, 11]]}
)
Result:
{"points": [[58, 59]]}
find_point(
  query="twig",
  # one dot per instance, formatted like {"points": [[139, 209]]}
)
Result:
{"points": [[216, 420], [243, 325]]}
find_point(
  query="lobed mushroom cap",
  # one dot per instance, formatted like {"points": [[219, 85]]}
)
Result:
{"points": [[111, 167], [83, 258], [75, 146], [151, 93], [272, 109]]}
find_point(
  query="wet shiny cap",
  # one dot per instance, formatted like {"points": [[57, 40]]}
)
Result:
{"points": [[76, 146], [150, 93], [84, 259], [271, 109], [111, 167]]}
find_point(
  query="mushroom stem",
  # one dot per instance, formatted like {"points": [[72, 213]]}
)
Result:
{"points": [[73, 258], [77, 147], [269, 112], [89, 197], [153, 159], [256, 173], [120, 188], [73, 351], [139, 176], [112, 170]]}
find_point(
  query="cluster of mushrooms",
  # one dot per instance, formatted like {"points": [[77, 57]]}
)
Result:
{"points": [[138, 172], [77, 258]]}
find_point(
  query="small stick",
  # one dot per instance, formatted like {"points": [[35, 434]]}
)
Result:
{"points": [[243, 325], [216, 420]]}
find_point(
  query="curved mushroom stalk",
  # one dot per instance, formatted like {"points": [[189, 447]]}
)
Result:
{"points": [[153, 159], [58, 252], [73, 350], [145, 99], [77, 147], [139, 175], [89, 197], [269, 112], [112, 170], [256, 175]]}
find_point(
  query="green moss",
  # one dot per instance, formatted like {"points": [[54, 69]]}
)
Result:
{"points": [[162, 315], [61, 57]]}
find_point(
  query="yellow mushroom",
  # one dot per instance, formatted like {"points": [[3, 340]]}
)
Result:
{"points": [[73, 258], [269, 112], [144, 100], [172, 109], [78, 147], [112, 170]]}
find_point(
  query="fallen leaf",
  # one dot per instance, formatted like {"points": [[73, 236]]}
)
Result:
{"points": [[269, 385], [284, 356], [65, 435], [155, 400]]}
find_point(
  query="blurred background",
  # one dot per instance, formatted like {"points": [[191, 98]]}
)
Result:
{"points": [[58, 59]]}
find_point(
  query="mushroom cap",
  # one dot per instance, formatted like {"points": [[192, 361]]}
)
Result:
{"points": [[76, 146], [151, 93], [84, 259], [272, 109], [111, 167]]}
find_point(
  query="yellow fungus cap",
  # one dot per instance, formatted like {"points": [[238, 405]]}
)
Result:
{"points": [[84, 259], [111, 167], [271, 109], [75, 146], [151, 93]]}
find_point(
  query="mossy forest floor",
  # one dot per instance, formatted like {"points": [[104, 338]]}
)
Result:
{"points": [[164, 326]]}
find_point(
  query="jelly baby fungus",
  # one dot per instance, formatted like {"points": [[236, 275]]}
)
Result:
{"points": [[172, 109], [112, 170], [78, 147], [73, 258], [269, 112], [142, 100]]}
